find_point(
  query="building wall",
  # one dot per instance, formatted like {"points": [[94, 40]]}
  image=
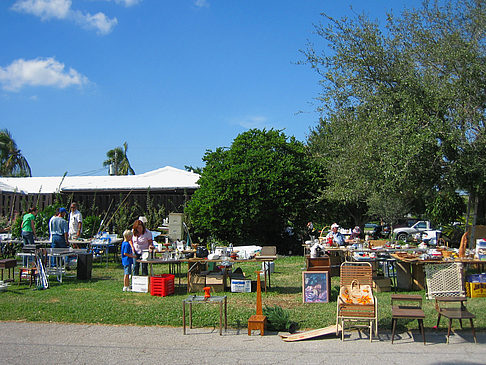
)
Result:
{"points": [[14, 203], [172, 200]]}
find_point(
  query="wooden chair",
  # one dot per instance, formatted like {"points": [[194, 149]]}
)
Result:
{"points": [[258, 321], [357, 309]]}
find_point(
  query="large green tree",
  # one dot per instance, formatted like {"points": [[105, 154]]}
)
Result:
{"points": [[13, 163], [118, 162], [255, 190], [403, 106]]}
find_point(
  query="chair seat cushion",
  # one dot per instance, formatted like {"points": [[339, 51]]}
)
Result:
{"points": [[363, 295]]}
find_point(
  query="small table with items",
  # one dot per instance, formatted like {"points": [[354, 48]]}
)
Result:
{"points": [[201, 299], [454, 308]]}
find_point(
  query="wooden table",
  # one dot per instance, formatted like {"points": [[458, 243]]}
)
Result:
{"points": [[8, 264], [411, 310], [174, 266], [456, 311], [194, 263]]}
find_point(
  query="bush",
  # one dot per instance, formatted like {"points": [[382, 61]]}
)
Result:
{"points": [[91, 225], [277, 317]]}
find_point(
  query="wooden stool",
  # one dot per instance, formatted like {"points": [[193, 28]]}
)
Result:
{"points": [[31, 272], [409, 311], [8, 264], [258, 321]]}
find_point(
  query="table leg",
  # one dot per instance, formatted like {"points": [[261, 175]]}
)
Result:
{"points": [[449, 329], [421, 325], [220, 318], [184, 317], [226, 315], [438, 320], [473, 331], [265, 278], [190, 315], [269, 276], [460, 322], [180, 272], [394, 324]]}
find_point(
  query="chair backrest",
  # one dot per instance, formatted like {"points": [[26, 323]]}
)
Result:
{"points": [[268, 251], [444, 280], [361, 271]]}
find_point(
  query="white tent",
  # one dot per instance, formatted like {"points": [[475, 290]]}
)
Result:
{"points": [[165, 178]]}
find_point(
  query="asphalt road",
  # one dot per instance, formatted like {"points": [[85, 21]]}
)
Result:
{"points": [[50, 343]]}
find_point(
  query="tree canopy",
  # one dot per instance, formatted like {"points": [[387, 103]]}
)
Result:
{"points": [[118, 161], [13, 163], [259, 190], [403, 106]]}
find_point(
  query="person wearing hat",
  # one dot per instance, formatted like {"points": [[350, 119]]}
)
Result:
{"points": [[59, 229], [334, 236]]}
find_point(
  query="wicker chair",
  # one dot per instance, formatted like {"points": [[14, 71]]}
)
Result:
{"points": [[359, 310]]}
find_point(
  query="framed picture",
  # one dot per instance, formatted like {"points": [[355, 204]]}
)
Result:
{"points": [[315, 286]]}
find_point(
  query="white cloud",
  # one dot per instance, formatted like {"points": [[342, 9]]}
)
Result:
{"points": [[39, 72], [99, 22], [251, 122], [61, 9], [128, 3], [201, 3], [44, 9]]}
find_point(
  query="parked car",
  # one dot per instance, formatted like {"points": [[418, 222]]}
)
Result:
{"points": [[377, 231], [406, 222], [402, 233]]}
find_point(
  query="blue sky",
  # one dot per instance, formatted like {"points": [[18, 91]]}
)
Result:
{"points": [[172, 78]]}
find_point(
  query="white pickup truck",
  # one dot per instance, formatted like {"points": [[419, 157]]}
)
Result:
{"points": [[421, 227]]}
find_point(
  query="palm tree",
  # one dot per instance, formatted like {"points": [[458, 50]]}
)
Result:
{"points": [[12, 161], [118, 161]]}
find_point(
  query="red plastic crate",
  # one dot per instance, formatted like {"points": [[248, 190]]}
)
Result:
{"points": [[162, 285]]}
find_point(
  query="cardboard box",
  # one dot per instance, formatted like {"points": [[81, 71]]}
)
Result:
{"points": [[270, 266], [216, 287], [476, 290], [381, 284], [240, 286], [214, 280], [140, 284], [474, 278], [196, 283]]}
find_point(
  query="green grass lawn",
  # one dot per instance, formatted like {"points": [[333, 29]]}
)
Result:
{"points": [[101, 300]]}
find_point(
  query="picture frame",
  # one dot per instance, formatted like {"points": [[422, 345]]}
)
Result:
{"points": [[315, 286]]}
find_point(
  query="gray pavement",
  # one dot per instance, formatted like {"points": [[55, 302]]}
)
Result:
{"points": [[51, 343]]}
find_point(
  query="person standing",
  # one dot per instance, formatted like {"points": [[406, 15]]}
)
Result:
{"points": [[75, 222], [141, 240], [28, 227], [28, 232], [58, 229], [127, 259]]}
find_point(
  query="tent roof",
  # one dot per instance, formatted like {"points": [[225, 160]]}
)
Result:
{"points": [[165, 178]]}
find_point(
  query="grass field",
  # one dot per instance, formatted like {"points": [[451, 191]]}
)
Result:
{"points": [[102, 301]]}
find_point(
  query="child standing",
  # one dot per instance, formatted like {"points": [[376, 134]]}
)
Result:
{"points": [[127, 258]]}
